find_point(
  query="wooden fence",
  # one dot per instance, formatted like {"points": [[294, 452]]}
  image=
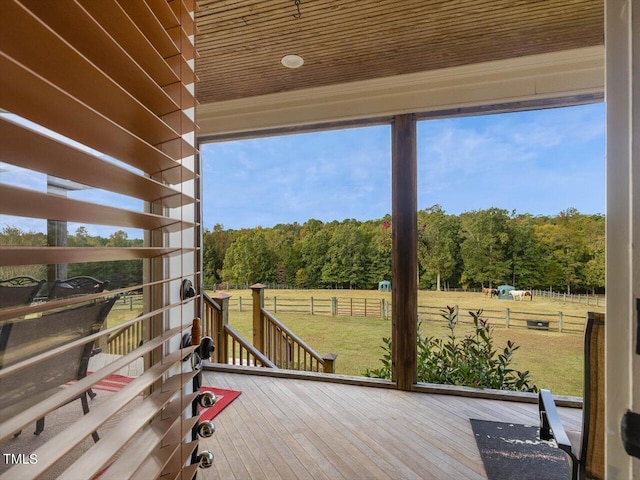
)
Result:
{"points": [[585, 299], [381, 308], [559, 322], [334, 307]]}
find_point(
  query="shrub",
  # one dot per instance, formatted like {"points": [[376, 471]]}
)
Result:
{"points": [[471, 360]]}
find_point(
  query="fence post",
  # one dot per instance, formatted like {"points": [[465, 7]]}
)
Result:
{"points": [[240, 303], [220, 320], [365, 308], [334, 306], [507, 317], [258, 323], [275, 307], [351, 306], [560, 321], [329, 362], [311, 305]]}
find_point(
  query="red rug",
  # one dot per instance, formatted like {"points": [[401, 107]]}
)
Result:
{"points": [[223, 398], [115, 382]]}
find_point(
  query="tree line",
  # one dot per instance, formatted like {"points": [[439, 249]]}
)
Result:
{"points": [[480, 248], [119, 273]]}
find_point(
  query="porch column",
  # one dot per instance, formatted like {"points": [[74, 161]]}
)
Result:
{"points": [[622, 350], [404, 250]]}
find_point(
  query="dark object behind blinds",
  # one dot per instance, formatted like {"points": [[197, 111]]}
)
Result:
{"points": [[26, 338], [18, 291], [586, 448], [77, 286]]}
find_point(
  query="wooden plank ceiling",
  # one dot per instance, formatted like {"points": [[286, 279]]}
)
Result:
{"points": [[241, 42]]}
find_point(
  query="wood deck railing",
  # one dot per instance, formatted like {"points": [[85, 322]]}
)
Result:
{"points": [[125, 340], [286, 349], [231, 347], [274, 344], [283, 347]]}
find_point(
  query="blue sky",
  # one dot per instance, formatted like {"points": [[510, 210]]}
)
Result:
{"points": [[539, 162]]}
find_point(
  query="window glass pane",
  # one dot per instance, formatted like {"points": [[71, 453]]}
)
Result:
{"points": [[514, 202]]}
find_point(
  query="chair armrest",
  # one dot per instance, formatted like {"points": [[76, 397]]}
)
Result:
{"points": [[550, 424]]}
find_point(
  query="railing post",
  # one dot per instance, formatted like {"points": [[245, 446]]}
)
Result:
{"points": [[560, 322], [258, 322], [329, 362], [221, 319]]}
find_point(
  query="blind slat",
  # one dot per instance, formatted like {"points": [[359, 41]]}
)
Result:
{"points": [[98, 456], [165, 461], [26, 417], [115, 21], [151, 27], [58, 255], [179, 93], [116, 77], [52, 108], [21, 311], [79, 29], [179, 65], [23, 202], [24, 34], [184, 15], [29, 149], [66, 440], [164, 13], [186, 472], [149, 440]]}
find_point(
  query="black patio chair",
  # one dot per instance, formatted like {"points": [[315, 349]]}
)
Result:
{"points": [[76, 286], [73, 286], [27, 337], [584, 449], [19, 291]]}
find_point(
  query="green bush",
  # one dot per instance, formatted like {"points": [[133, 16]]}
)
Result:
{"points": [[471, 360]]}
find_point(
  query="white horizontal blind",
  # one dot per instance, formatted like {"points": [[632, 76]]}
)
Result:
{"points": [[97, 178]]}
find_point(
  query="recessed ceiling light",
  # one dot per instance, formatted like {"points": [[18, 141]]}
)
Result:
{"points": [[292, 61]]}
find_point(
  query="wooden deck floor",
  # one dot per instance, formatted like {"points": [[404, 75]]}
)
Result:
{"points": [[302, 429]]}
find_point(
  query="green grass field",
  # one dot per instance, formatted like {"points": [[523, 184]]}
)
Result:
{"points": [[554, 359], [124, 309]]}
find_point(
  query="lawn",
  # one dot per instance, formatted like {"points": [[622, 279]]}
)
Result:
{"points": [[554, 359], [125, 309]]}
